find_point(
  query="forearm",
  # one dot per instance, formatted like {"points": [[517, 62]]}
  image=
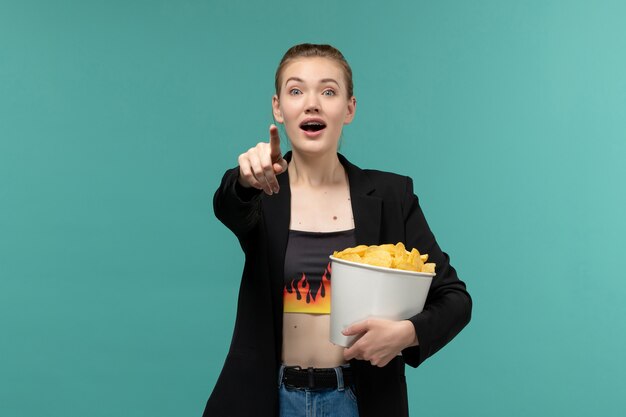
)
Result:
{"points": [[235, 206], [448, 305]]}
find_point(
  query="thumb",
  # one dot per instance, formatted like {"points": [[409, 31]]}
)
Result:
{"points": [[280, 166], [356, 328]]}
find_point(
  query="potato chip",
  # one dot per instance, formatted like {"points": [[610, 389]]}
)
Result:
{"points": [[408, 267], [377, 257], [388, 256], [386, 247], [359, 250], [354, 257]]}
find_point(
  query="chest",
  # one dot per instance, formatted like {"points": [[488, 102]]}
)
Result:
{"points": [[321, 210]]}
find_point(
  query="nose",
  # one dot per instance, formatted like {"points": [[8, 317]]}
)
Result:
{"points": [[312, 105]]}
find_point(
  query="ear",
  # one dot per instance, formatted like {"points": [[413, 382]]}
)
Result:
{"points": [[351, 111], [278, 115]]}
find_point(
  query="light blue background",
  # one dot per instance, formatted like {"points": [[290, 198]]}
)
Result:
{"points": [[117, 120]]}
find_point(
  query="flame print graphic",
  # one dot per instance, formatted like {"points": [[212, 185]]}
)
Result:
{"points": [[298, 297]]}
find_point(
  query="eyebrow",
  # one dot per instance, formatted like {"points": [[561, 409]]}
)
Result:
{"points": [[322, 81]]}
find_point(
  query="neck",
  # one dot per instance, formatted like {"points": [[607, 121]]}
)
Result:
{"points": [[315, 170]]}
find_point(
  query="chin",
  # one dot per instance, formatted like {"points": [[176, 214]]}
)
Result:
{"points": [[312, 143]]}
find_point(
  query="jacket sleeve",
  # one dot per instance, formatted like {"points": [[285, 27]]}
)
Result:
{"points": [[237, 207], [448, 305]]}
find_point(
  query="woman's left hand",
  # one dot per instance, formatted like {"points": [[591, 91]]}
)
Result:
{"points": [[380, 341]]}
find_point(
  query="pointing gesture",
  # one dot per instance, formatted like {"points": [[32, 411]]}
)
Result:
{"points": [[259, 166], [275, 153]]}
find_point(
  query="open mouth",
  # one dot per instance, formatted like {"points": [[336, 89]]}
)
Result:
{"points": [[312, 125]]}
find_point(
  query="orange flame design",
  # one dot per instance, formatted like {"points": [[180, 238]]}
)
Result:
{"points": [[299, 298]]}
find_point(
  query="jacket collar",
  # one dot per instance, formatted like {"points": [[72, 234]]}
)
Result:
{"points": [[366, 208]]}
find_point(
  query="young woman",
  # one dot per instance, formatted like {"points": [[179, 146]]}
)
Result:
{"points": [[290, 212]]}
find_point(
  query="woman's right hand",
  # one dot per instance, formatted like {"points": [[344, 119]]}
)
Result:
{"points": [[259, 166]]}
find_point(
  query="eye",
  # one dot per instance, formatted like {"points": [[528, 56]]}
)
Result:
{"points": [[295, 92], [328, 93]]}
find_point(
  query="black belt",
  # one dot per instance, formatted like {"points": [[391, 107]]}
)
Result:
{"points": [[315, 377]]}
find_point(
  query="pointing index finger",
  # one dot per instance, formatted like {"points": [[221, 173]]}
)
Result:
{"points": [[275, 152]]}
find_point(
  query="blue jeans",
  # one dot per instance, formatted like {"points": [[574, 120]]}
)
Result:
{"points": [[305, 402]]}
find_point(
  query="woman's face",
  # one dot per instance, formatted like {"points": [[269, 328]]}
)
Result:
{"points": [[313, 104]]}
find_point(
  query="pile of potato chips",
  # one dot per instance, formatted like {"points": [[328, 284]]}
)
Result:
{"points": [[389, 256]]}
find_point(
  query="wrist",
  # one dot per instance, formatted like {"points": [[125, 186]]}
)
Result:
{"points": [[411, 336], [243, 183]]}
